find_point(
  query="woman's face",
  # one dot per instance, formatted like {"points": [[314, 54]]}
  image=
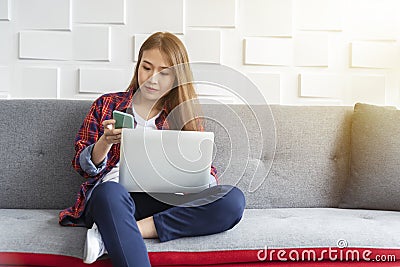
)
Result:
{"points": [[155, 76]]}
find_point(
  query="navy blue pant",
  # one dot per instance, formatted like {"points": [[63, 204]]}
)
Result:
{"points": [[115, 211]]}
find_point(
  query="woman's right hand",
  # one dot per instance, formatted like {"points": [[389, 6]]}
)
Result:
{"points": [[111, 135], [103, 145]]}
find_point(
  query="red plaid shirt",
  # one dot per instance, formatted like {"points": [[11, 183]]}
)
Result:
{"points": [[90, 131]]}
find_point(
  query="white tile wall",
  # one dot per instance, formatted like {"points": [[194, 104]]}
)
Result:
{"points": [[311, 49], [269, 51], [307, 52], [269, 84], [157, 15], [45, 45], [92, 43], [375, 54], [38, 82], [44, 14], [318, 14], [204, 45], [103, 80], [213, 92], [121, 46], [368, 89], [266, 17], [139, 40], [372, 19], [211, 13], [69, 82], [217, 99], [5, 13], [7, 47], [321, 85], [4, 79], [100, 11]]}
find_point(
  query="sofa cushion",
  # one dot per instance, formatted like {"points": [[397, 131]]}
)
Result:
{"points": [[374, 181], [37, 231], [37, 142], [309, 166]]}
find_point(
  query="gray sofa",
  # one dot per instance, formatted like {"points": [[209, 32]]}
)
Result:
{"points": [[297, 179]]}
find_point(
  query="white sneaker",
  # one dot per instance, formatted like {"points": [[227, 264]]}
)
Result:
{"points": [[94, 245]]}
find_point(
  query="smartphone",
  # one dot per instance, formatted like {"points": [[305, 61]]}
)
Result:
{"points": [[123, 120]]}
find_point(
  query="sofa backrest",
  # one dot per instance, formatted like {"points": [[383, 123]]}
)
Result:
{"points": [[311, 161], [308, 168], [37, 146]]}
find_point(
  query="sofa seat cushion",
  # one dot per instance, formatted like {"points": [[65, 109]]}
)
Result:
{"points": [[37, 231], [297, 228]]}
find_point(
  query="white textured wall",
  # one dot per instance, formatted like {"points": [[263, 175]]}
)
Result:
{"points": [[307, 52]]}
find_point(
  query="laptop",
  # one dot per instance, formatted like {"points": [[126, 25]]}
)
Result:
{"points": [[165, 161]]}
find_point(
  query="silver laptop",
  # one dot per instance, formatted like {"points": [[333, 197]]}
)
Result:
{"points": [[165, 161]]}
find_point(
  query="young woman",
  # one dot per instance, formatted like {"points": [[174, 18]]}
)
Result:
{"points": [[119, 220]]}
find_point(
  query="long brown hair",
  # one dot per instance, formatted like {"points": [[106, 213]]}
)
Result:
{"points": [[185, 116]]}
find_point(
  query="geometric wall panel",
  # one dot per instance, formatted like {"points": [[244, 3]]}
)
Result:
{"points": [[92, 43], [5, 10], [220, 13], [203, 45], [157, 15], [45, 45], [139, 40], [321, 85], [267, 17], [95, 11], [4, 79], [311, 49], [372, 19], [368, 89], [206, 89], [218, 99], [44, 14], [269, 84], [318, 15], [307, 52], [269, 51], [38, 83], [8, 43], [375, 54], [215, 94], [103, 80]]}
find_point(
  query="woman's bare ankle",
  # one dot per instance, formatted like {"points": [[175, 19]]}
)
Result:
{"points": [[147, 227]]}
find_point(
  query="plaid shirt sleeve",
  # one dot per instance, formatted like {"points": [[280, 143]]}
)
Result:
{"points": [[88, 134], [85, 160]]}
